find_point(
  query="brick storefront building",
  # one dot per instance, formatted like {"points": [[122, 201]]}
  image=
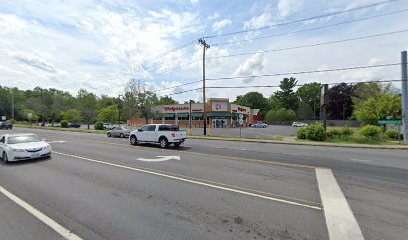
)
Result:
{"points": [[220, 114]]}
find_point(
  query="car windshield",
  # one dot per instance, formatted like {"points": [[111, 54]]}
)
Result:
{"points": [[23, 139]]}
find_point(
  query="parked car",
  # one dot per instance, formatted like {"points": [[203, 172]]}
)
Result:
{"points": [[74, 125], [108, 126], [259, 125], [118, 132], [299, 124], [6, 125], [164, 134], [15, 147], [53, 125]]}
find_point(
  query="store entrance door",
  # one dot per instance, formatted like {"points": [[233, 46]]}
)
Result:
{"points": [[219, 123]]}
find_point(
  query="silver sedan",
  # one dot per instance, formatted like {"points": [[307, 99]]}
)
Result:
{"points": [[119, 132]]}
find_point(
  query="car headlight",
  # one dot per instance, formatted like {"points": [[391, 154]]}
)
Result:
{"points": [[18, 150], [47, 148]]}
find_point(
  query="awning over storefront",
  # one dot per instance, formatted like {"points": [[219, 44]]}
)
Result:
{"points": [[169, 115], [196, 114], [219, 114], [180, 115]]}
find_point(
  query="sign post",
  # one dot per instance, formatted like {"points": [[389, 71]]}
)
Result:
{"points": [[393, 122], [241, 122]]}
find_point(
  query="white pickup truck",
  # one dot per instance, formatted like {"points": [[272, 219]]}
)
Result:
{"points": [[164, 134]]}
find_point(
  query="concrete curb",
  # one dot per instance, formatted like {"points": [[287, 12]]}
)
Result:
{"points": [[315, 144]]}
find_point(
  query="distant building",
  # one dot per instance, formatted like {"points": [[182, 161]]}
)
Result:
{"points": [[220, 114]]}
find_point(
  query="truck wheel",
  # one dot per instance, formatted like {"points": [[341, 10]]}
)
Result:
{"points": [[4, 158], [163, 142], [122, 136], [133, 140]]}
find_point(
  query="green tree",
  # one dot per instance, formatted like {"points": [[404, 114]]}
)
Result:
{"points": [[25, 113], [282, 114], [340, 101], [309, 93], [254, 100], [304, 112], [286, 95], [138, 101], [166, 100], [87, 105], [109, 114], [377, 108], [72, 115]]}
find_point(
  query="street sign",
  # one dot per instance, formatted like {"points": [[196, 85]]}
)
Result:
{"points": [[29, 115], [241, 121], [3, 118], [386, 122], [241, 116]]}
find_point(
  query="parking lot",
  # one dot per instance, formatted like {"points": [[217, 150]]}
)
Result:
{"points": [[103, 188]]}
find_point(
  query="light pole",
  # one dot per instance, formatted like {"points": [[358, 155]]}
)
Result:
{"points": [[120, 106]]}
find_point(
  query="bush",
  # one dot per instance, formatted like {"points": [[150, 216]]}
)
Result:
{"points": [[64, 124], [99, 125], [282, 114], [12, 121], [343, 133], [315, 132], [301, 133], [392, 134], [334, 133], [346, 131], [371, 131]]}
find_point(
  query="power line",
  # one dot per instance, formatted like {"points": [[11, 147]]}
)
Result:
{"points": [[303, 19], [299, 85], [195, 89], [184, 84], [312, 45], [311, 29], [306, 72]]}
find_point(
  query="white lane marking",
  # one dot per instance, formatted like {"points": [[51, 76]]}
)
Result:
{"points": [[360, 160], [67, 234], [340, 220], [292, 154], [241, 149], [159, 159], [192, 181], [57, 141]]}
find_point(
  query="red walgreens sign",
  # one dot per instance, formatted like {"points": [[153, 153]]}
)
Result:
{"points": [[176, 108], [241, 109]]}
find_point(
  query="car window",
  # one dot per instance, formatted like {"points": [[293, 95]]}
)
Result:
{"points": [[164, 128], [23, 139], [2, 140], [151, 128], [145, 128]]}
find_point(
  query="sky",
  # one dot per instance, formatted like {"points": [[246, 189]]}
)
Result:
{"points": [[101, 45]]}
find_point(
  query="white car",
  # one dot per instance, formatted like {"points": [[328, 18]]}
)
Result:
{"points": [[299, 124], [15, 147], [164, 134]]}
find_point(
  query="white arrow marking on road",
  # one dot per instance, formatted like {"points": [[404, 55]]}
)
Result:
{"points": [[57, 142], [159, 159]]}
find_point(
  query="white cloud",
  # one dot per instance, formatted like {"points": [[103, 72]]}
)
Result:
{"points": [[287, 7], [11, 24], [219, 25], [252, 66], [36, 61], [259, 21], [194, 1]]}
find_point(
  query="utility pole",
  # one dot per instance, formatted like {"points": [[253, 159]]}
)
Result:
{"points": [[190, 120], [120, 106], [12, 102], [404, 86], [323, 104], [202, 42]]}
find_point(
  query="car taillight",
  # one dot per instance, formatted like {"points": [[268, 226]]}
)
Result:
{"points": [[173, 135]]}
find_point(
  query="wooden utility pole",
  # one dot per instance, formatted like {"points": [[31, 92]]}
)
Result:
{"points": [[202, 42]]}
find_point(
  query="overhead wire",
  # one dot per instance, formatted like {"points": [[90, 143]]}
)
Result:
{"points": [[303, 19]]}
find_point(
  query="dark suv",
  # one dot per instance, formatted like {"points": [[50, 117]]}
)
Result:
{"points": [[6, 125], [74, 125]]}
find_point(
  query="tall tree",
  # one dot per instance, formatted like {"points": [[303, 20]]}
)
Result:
{"points": [[286, 95], [340, 102], [138, 101], [109, 114], [166, 100], [310, 94], [87, 104], [254, 100]]}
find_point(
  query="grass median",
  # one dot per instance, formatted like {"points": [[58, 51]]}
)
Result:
{"points": [[63, 129]]}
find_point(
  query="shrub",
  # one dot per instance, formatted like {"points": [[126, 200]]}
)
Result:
{"points": [[12, 121], [301, 133], [334, 133], [371, 131], [64, 124], [346, 131], [99, 125], [392, 134], [282, 114], [315, 132]]}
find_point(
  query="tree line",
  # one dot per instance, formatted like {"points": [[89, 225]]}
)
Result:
{"points": [[366, 102]]}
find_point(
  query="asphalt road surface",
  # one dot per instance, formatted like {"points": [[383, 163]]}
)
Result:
{"points": [[96, 187]]}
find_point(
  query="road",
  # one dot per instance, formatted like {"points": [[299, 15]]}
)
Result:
{"points": [[249, 132], [103, 188]]}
